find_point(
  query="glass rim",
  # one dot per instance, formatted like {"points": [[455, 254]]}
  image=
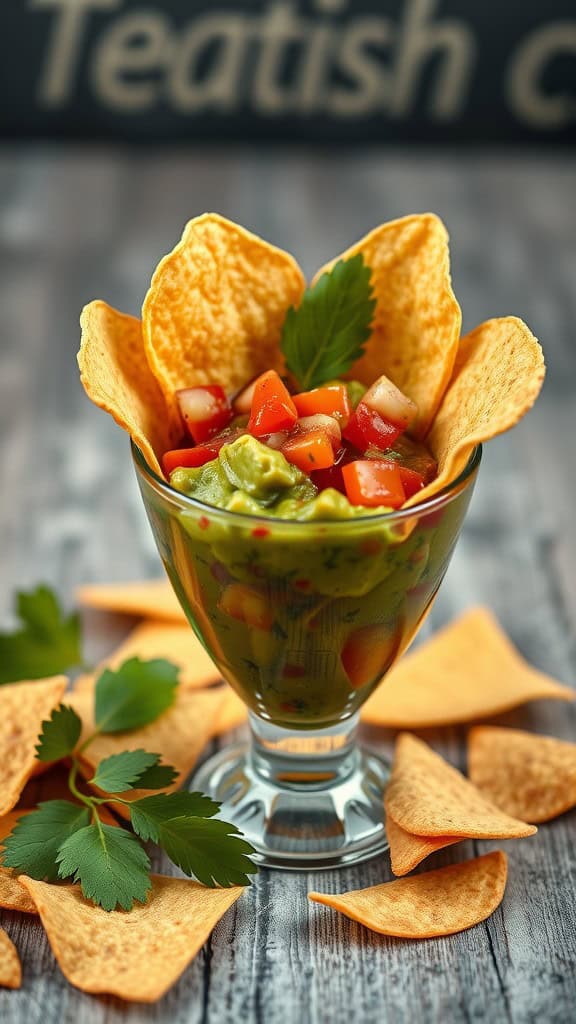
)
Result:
{"points": [[447, 494]]}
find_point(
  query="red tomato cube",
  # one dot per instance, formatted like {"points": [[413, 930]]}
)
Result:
{"points": [[205, 410], [309, 451], [366, 429], [371, 483], [332, 401], [186, 458], [272, 407]]}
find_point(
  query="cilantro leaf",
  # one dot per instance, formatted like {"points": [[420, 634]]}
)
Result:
{"points": [[210, 849], [122, 771], [110, 864], [60, 734], [135, 694], [149, 813], [33, 844], [159, 776], [327, 333], [47, 642], [183, 825]]}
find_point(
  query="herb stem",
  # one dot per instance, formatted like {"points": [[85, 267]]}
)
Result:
{"points": [[88, 801]]}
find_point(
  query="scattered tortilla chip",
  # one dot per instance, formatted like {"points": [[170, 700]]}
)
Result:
{"points": [[178, 644], [137, 955], [526, 775], [468, 670], [233, 713], [116, 376], [13, 896], [178, 735], [440, 902], [497, 377], [23, 708], [428, 797], [417, 321], [151, 599], [215, 307], [407, 850], [10, 969]]}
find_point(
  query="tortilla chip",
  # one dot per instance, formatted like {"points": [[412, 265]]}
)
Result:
{"points": [[428, 797], [178, 644], [440, 902], [150, 599], [137, 955], [13, 896], [10, 969], [215, 307], [526, 775], [116, 376], [407, 850], [497, 377], [233, 713], [417, 321], [178, 735], [468, 670], [23, 708]]}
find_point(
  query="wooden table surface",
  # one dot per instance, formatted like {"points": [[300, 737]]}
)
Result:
{"points": [[80, 224]]}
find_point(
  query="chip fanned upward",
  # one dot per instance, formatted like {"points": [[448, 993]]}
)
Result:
{"points": [[468, 670], [440, 902], [137, 956], [497, 377], [216, 306], [23, 708], [417, 322], [116, 376], [526, 775], [428, 797]]}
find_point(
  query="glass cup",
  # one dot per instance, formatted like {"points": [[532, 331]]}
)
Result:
{"points": [[303, 620]]}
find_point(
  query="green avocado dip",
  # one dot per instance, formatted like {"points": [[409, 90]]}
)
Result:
{"points": [[248, 476], [302, 599]]}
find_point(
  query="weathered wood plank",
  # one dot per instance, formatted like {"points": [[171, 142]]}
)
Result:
{"points": [[76, 224]]}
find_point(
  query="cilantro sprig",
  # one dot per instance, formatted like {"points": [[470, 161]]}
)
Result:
{"points": [[70, 839], [46, 643], [326, 334]]}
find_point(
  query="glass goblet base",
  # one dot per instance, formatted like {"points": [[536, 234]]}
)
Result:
{"points": [[305, 800]]}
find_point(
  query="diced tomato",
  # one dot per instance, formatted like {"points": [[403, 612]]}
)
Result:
{"points": [[309, 451], [205, 410], [415, 456], [186, 458], [390, 403], [248, 605], [272, 407], [332, 477], [373, 483], [321, 422], [412, 481], [332, 401], [368, 654], [367, 428]]}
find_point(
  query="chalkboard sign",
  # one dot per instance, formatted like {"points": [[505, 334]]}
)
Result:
{"points": [[310, 70]]}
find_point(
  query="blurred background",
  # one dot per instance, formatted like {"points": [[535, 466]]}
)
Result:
{"points": [[310, 123]]}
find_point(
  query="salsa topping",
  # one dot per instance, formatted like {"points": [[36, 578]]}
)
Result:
{"points": [[337, 434]]}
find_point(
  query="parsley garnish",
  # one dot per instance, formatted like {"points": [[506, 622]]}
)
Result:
{"points": [[47, 642], [327, 333], [62, 839]]}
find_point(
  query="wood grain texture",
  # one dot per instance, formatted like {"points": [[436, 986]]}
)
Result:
{"points": [[75, 225]]}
